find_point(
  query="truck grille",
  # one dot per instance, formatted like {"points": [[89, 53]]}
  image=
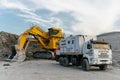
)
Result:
{"points": [[103, 60], [102, 55]]}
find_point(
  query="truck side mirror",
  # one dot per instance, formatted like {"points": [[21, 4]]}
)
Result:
{"points": [[89, 46]]}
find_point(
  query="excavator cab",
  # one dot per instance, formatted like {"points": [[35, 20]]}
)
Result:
{"points": [[54, 32]]}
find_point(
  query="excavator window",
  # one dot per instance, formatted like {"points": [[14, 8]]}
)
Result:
{"points": [[53, 32]]}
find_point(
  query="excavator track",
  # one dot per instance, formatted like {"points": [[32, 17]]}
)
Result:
{"points": [[42, 55]]}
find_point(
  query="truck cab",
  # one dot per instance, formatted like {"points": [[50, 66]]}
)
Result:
{"points": [[97, 53]]}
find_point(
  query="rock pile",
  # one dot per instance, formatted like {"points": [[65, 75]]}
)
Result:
{"points": [[6, 41]]}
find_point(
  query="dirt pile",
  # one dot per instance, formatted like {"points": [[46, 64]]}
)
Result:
{"points": [[6, 41]]}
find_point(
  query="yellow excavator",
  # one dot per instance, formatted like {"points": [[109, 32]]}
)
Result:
{"points": [[47, 41]]}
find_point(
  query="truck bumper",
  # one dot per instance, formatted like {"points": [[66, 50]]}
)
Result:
{"points": [[101, 61]]}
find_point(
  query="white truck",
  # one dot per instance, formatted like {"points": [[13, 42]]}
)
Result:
{"points": [[84, 50]]}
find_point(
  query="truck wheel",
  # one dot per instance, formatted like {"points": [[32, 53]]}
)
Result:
{"points": [[65, 61], [61, 60], [85, 65], [103, 67]]}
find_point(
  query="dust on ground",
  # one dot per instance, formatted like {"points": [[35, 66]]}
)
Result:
{"points": [[51, 70]]}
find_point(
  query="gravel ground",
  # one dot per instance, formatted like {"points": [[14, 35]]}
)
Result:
{"points": [[51, 70]]}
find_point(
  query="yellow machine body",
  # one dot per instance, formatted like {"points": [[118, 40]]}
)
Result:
{"points": [[47, 40]]}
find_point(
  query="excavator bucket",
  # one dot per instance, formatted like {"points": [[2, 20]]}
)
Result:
{"points": [[17, 55], [20, 56]]}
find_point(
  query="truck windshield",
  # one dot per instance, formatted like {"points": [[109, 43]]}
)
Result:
{"points": [[101, 46]]}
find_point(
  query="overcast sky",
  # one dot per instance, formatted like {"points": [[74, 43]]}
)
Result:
{"points": [[73, 16]]}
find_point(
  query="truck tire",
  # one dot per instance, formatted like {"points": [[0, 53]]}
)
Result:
{"points": [[65, 62], [61, 61], [103, 67], [85, 65]]}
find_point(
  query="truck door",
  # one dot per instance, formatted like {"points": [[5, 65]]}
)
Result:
{"points": [[88, 48], [88, 51]]}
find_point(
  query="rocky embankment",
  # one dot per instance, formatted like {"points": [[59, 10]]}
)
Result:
{"points": [[6, 41]]}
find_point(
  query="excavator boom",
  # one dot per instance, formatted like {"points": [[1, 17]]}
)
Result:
{"points": [[33, 31]]}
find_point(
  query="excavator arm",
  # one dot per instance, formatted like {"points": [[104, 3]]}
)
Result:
{"points": [[35, 32]]}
